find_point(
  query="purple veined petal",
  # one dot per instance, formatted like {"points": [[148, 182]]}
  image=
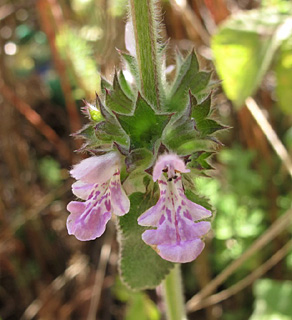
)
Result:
{"points": [[182, 247], [181, 253], [88, 220], [152, 216], [196, 211], [172, 162], [97, 169], [81, 189], [130, 38], [119, 201]]}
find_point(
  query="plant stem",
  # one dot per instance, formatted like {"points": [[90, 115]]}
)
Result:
{"points": [[144, 26], [173, 295]]}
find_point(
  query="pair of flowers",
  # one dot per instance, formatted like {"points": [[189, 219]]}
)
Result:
{"points": [[177, 236]]}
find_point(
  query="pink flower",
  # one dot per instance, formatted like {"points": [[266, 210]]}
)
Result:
{"points": [[177, 236], [100, 186]]}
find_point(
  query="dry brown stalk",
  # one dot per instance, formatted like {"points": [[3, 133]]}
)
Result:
{"points": [[276, 228]]}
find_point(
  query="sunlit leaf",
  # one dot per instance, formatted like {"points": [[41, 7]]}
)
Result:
{"points": [[243, 50]]}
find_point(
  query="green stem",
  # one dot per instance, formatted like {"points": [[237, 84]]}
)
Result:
{"points": [[144, 25], [173, 295]]}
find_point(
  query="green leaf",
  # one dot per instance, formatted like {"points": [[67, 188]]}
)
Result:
{"points": [[199, 161], [144, 127], [243, 50], [273, 300], [125, 86], [139, 159], [180, 132], [188, 78], [116, 100], [284, 77], [209, 126], [202, 110], [110, 129], [139, 305], [88, 133], [132, 65], [104, 84], [109, 132], [194, 145], [140, 266]]}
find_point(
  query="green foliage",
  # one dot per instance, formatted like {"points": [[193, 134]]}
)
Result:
{"points": [[144, 127], [143, 117], [188, 77], [244, 47], [284, 77], [238, 202], [141, 267], [139, 159], [273, 300], [116, 100], [139, 306], [132, 66]]}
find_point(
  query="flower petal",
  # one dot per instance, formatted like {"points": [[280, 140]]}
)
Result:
{"points": [[196, 211], [88, 220], [182, 253], [172, 162], [178, 245], [82, 190], [153, 215], [119, 200], [97, 169]]}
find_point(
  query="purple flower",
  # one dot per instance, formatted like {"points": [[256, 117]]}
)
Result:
{"points": [[177, 237], [100, 186]]}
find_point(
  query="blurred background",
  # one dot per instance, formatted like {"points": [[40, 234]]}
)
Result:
{"points": [[51, 56]]}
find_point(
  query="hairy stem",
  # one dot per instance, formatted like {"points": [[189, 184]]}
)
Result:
{"points": [[173, 295], [144, 25]]}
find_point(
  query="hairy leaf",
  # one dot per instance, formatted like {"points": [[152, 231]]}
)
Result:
{"points": [[140, 266], [144, 127]]}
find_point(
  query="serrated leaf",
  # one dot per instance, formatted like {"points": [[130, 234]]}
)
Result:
{"points": [[104, 84], [144, 126], [184, 66], [195, 145], [180, 131], [110, 129], [188, 78], [139, 159], [92, 141], [108, 132], [202, 110], [116, 100], [140, 266], [199, 160], [209, 126], [243, 49], [125, 86], [132, 65]]}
